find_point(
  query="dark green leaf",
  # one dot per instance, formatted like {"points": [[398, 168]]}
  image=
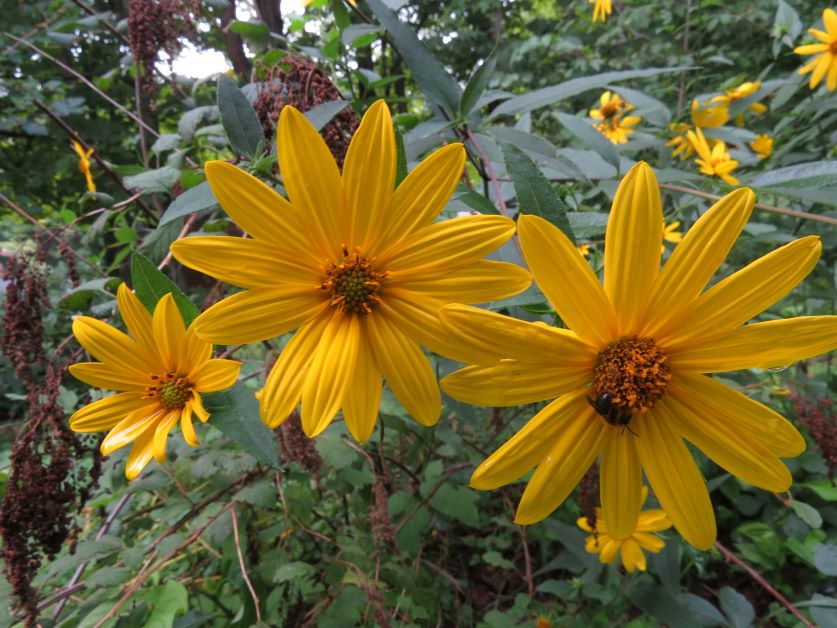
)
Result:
{"points": [[197, 199], [80, 297], [810, 174], [534, 193], [156, 244], [160, 180], [825, 558], [477, 201], [477, 84], [356, 35], [322, 114], [458, 502], [151, 285], [239, 119], [167, 602], [736, 607], [236, 413], [807, 513], [584, 131]]}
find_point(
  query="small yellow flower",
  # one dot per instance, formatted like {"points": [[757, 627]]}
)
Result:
{"points": [[163, 369], [714, 162], [825, 60], [711, 114], [584, 249], [84, 164], [612, 122], [680, 142], [762, 145], [741, 92], [602, 9], [629, 548], [671, 234]]}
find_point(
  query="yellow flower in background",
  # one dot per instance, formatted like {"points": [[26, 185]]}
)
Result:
{"points": [[162, 368], [671, 233], [714, 162], [824, 64], [741, 92], [84, 164], [762, 145], [610, 117], [630, 373], [584, 249], [680, 143], [359, 270], [631, 547], [711, 114], [602, 9]]}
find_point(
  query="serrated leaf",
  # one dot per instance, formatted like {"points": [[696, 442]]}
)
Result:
{"points": [[236, 413], [197, 199], [167, 602], [534, 193], [584, 131], [151, 285], [457, 502], [239, 118], [477, 84], [736, 607]]}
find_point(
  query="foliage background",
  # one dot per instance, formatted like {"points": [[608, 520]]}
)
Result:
{"points": [[389, 533]]}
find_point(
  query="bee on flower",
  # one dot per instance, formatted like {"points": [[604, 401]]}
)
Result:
{"points": [[715, 161], [762, 146], [611, 121]]}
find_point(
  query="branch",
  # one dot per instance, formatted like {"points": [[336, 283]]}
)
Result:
{"points": [[243, 569]]}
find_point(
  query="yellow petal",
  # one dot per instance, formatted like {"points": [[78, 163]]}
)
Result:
{"points": [[197, 407], [161, 434], [405, 368], [573, 451], [609, 550], [195, 350], [480, 282], [695, 260], [129, 428], [621, 482], [653, 521], [487, 333], [244, 262], [446, 245], [255, 315], [674, 477], [820, 69], [214, 375], [369, 174], [137, 318], [632, 245], [140, 454], [112, 347], [829, 20], [567, 280], [105, 413], [810, 49], [283, 387], [363, 397], [731, 447], [511, 383], [738, 298], [709, 397], [632, 556], [330, 373], [649, 542], [108, 377], [170, 333], [421, 196], [187, 427], [831, 81], [311, 178]]}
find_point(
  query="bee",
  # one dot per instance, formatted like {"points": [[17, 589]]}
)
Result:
{"points": [[612, 414]]}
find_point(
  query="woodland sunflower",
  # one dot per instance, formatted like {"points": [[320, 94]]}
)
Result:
{"points": [[715, 161], [601, 9], [359, 270], [630, 549], [762, 146], [84, 164], [630, 373], [711, 114], [162, 368], [824, 64], [610, 117]]}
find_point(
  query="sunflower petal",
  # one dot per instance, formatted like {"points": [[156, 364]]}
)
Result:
{"points": [[214, 375], [169, 333], [131, 427], [621, 483], [161, 434], [106, 413], [363, 397], [480, 282], [106, 376], [632, 556], [114, 348], [195, 350], [136, 317], [141, 454], [187, 427]]}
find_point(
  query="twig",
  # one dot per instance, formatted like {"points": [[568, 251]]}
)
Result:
{"points": [[447, 472], [187, 227], [486, 162], [241, 565], [755, 575], [527, 559], [767, 208]]}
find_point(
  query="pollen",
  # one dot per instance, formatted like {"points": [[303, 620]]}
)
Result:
{"points": [[171, 389], [353, 285], [634, 371]]}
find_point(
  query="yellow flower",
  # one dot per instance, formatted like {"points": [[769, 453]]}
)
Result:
{"points": [[602, 9], [741, 92], [715, 162], [680, 143], [762, 145], [711, 114], [630, 547], [584, 249], [638, 348], [358, 269], [84, 163], [612, 122], [671, 234], [825, 51], [163, 369]]}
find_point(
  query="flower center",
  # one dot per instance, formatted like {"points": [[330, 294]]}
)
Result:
{"points": [[610, 110], [832, 47], [353, 285], [631, 374], [171, 389]]}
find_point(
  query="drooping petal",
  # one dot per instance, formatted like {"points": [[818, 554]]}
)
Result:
{"points": [[653, 521], [114, 348], [187, 427], [137, 318], [649, 542], [674, 477], [197, 407], [255, 315], [363, 397], [632, 556], [141, 453], [512, 383], [244, 262], [567, 280], [129, 428], [421, 196], [609, 550], [480, 282], [108, 377], [632, 245], [105, 413], [330, 373], [406, 369], [761, 345], [707, 397], [620, 482], [161, 434], [369, 175], [169, 332], [214, 375]]}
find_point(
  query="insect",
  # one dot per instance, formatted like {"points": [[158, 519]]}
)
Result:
{"points": [[610, 412]]}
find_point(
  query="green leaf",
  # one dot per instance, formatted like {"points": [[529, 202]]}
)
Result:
{"points": [[151, 285], [736, 607], [357, 35], [197, 199], [823, 488], [496, 558], [458, 502], [812, 173], [825, 558], [476, 201], [477, 84], [293, 571], [554, 93], [167, 602], [321, 115], [584, 131], [80, 297], [807, 513], [588, 225], [534, 193], [159, 180], [400, 159], [236, 413], [156, 244], [428, 72], [239, 118]]}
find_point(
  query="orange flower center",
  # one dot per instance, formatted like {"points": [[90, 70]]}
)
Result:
{"points": [[609, 110], [353, 285], [173, 390], [631, 374], [832, 47]]}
